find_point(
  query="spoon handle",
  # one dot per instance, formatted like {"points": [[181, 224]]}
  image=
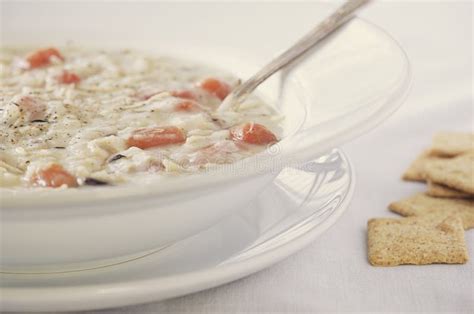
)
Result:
{"points": [[331, 23]]}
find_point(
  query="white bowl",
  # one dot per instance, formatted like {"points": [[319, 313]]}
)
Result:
{"points": [[344, 87]]}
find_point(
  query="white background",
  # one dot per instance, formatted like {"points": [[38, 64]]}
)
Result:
{"points": [[332, 274]]}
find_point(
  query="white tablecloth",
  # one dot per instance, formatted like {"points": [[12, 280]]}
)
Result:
{"points": [[332, 274]]}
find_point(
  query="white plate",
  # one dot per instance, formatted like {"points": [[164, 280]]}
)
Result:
{"points": [[291, 212]]}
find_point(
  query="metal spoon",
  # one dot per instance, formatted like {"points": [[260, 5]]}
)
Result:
{"points": [[331, 23]]}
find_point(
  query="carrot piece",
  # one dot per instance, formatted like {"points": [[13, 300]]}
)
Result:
{"points": [[187, 106], [68, 78], [252, 133], [215, 87], [54, 176], [42, 57], [185, 94], [156, 136]]}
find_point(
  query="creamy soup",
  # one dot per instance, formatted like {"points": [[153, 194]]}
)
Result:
{"points": [[73, 117]]}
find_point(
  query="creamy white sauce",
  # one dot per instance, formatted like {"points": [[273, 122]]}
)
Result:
{"points": [[85, 127]]}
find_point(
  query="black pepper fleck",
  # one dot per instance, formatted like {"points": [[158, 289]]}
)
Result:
{"points": [[116, 157]]}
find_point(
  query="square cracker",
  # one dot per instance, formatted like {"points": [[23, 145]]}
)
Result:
{"points": [[416, 240], [456, 173], [439, 190], [452, 143], [416, 170], [422, 204]]}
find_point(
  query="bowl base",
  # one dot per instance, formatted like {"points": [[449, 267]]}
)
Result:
{"points": [[57, 269]]}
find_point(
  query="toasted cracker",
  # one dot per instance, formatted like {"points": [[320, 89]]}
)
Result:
{"points": [[415, 171], [422, 204], [416, 240], [456, 173], [439, 190], [452, 143]]}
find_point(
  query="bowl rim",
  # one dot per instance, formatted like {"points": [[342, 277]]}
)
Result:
{"points": [[249, 168]]}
